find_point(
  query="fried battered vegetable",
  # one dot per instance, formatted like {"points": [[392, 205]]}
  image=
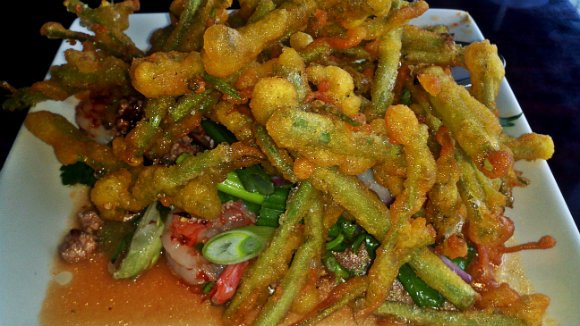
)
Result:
{"points": [[200, 197], [85, 71], [530, 146], [226, 49], [69, 143], [368, 211], [193, 104], [486, 72], [406, 235], [398, 16], [305, 261], [484, 206], [165, 73], [273, 262], [108, 22], [118, 194], [131, 148], [185, 29], [402, 311], [420, 46], [271, 94], [239, 123], [475, 128], [386, 73], [280, 159], [223, 97], [308, 133], [339, 87], [444, 209]]}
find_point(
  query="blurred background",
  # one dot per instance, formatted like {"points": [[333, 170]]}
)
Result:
{"points": [[540, 40]]}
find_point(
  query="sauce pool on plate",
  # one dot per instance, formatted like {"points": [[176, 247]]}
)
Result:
{"points": [[93, 297]]}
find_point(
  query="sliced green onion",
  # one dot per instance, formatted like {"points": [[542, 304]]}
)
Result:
{"points": [[255, 179], [237, 245], [509, 121], [463, 262], [357, 242], [334, 243], [333, 266], [273, 206], [233, 186], [145, 247], [217, 132], [268, 217], [334, 231], [372, 244], [406, 97], [252, 207], [349, 228], [207, 287], [423, 295]]}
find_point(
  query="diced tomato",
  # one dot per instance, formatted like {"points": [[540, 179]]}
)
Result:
{"points": [[188, 231], [235, 215], [228, 282]]}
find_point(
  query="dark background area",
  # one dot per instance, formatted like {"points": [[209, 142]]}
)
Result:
{"points": [[541, 45]]}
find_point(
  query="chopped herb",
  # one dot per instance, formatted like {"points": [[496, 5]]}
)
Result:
{"points": [[509, 121], [76, 173], [222, 86]]}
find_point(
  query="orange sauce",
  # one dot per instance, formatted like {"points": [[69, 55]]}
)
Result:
{"points": [[93, 297], [545, 242], [157, 297]]}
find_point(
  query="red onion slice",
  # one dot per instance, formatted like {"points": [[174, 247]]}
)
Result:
{"points": [[368, 180], [463, 274]]}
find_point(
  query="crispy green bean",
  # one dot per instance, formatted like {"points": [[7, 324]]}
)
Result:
{"points": [[280, 161], [262, 9], [385, 74], [398, 16], [530, 146], [226, 49], [192, 104], [397, 247], [69, 143], [273, 262], [186, 20], [307, 255], [428, 316], [483, 203], [431, 269], [155, 180], [131, 148], [486, 72], [424, 46], [368, 211], [116, 18], [311, 131], [476, 129], [341, 296]]}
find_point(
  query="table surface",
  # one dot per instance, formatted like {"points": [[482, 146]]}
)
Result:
{"points": [[541, 45]]}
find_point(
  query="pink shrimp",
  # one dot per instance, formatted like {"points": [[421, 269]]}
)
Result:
{"points": [[182, 238]]}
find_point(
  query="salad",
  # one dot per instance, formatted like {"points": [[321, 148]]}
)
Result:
{"points": [[293, 150]]}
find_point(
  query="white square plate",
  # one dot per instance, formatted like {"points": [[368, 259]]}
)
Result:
{"points": [[35, 206]]}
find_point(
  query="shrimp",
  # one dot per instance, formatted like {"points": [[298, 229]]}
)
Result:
{"points": [[184, 259], [182, 240]]}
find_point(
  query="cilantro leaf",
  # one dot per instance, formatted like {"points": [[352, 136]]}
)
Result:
{"points": [[78, 172]]}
